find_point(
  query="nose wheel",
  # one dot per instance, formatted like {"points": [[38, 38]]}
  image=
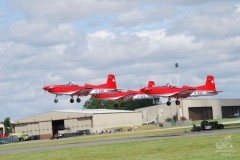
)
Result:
{"points": [[115, 105], [56, 100]]}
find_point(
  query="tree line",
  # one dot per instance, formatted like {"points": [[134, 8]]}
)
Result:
{"points": [[94, 103], [7, 125]]}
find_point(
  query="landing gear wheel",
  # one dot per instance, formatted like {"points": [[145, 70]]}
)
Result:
{"points": [[78, 100], [177, 102], [55, 100], [168, 103], [115, 105], [71, 100]]}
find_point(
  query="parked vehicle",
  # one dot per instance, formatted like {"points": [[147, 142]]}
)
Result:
{"points": [[23, 136], [206, 125]]}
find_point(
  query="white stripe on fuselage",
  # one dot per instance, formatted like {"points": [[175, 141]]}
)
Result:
{"points": [[64, 93], [142, 96], [100, 91], [163, 95], [203, 93]]}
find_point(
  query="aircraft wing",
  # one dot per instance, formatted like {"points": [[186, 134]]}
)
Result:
{"points": [[127, 97], [83, 92], [183, 94], [94, 91]]}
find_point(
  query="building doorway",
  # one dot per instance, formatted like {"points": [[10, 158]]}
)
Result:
{"points": [[57, 126], [200, 113], [230, 111]]}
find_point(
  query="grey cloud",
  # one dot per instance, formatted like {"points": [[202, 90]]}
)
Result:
{"points": [[69, 10], [211, 21]]}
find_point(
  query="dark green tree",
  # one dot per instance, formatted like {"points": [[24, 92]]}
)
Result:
{"points": [[8, 125], [94, 103]]}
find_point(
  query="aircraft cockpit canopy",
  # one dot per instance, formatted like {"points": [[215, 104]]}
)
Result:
{"points": [[170, 86], [71, 84]]}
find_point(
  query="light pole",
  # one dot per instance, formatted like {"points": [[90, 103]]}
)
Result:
{"points": [[176, 66], [180, 106]]}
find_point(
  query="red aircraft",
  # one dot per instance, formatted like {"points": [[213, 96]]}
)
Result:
{"points": [[88, 89], [123, 96], [170, 91]]}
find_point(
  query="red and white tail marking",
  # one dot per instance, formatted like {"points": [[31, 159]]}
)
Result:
{"points": [[111, 82], [210, 83]]}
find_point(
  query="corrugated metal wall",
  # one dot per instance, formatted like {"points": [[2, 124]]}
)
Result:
{"points": [[105, 121]]}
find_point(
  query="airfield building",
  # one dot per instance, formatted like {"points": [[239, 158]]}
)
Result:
{"points": [[48, 124], [193, 109]]}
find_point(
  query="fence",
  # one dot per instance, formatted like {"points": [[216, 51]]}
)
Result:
{"points": [[9, 139]]}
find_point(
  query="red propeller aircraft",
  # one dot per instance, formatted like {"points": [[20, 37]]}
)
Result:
{"points": [[123, 96], [170, 91], [88, 89]]}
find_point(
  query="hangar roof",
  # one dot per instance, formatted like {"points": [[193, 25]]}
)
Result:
{"points": [[66, 114], [94, 111]]}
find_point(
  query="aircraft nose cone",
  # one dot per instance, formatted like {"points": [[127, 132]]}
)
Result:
{"points": [[46, 88]]}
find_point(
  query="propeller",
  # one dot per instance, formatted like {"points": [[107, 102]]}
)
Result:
{"points": [[44, 87]]}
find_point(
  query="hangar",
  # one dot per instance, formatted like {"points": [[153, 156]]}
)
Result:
{"points": [[46, 125], [194, 109]]}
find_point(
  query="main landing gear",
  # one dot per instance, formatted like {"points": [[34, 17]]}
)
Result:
{"points": [[169, 102], [116, 105], [78, 100], [71, 100], [177, 102]]}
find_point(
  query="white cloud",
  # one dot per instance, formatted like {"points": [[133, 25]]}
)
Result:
{"points": [[40, 33], [137, 41]]}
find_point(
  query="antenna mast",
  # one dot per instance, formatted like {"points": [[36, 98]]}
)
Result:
{"points": [[176, 66]]}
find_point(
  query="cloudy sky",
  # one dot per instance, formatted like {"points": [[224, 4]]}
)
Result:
{"points": [[82, 41]]}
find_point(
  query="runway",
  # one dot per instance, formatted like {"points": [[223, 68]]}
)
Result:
{"points": [[149, 138]]}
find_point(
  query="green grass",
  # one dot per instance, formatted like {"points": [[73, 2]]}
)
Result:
{"points": [[91, 138], [198, 122], [187, 148], [201, 147], [145, 130], [232, 126]]}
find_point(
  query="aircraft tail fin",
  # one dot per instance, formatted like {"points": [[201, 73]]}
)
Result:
{"points": [[111, 81], [210, 83], [151, 84]]}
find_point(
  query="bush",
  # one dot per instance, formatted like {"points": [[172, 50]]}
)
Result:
{"points": [[184, 118], [168, 119]]}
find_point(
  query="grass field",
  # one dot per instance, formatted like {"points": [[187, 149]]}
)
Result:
{"points": [[219, 120], [91, 138], [196, 147]]}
